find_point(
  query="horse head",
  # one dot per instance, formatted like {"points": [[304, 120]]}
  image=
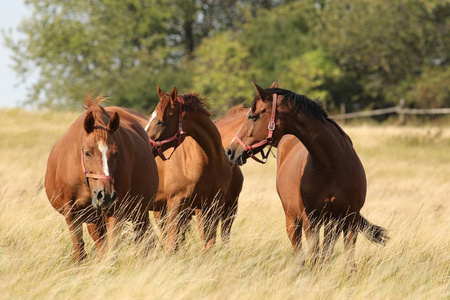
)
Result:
{"points": [[165, 126], [99, 155], [259, 129]]}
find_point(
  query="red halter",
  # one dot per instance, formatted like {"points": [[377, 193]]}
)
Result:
{"points": [[93, 176], [177, 136], [267, 141]]}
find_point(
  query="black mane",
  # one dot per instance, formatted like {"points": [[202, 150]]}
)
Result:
{"points": [[298, 103]]}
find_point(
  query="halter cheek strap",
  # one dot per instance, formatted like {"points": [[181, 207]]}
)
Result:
{"points": [[267, 141], [177, 136], [93, 176]]}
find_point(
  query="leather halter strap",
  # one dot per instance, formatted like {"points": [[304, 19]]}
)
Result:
{"points": [[177, 136], [267, 141], [88, 175]]}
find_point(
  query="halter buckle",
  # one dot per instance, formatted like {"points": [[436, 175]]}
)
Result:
{"points": [[271, 125]]}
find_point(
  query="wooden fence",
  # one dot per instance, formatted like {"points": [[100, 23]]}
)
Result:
{"points": [[401, 110]]}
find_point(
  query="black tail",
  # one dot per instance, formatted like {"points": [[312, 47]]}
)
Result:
{"points": [[374, 233]]}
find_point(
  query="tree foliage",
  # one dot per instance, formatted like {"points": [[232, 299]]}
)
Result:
{"points": [[366, 53], [381, 44], [217, 59]]}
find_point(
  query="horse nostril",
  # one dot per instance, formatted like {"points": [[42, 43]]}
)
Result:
{"points": [[230, 153], [99, 195], [114, 196]]}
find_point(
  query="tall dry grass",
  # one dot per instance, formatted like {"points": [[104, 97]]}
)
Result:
{"points": [[408, 172]]}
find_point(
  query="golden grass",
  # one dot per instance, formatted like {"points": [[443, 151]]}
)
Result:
{"points": [[408, 172]]}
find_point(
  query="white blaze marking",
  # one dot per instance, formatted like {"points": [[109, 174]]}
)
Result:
{"points": [[151, 119], [240, 127], [103, 149]]}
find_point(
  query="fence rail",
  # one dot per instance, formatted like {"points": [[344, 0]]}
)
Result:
{"points": [[400, 110]]}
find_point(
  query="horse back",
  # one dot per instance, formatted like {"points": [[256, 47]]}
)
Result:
{"points": [[131, 119]]}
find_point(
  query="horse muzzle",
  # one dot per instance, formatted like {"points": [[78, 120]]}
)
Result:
{"points": [[237, 158], [103, 200]]}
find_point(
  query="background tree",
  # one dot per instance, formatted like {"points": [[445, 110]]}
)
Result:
{"points": [[381, 45], [365, 54], [120, 47], [222, 72]]}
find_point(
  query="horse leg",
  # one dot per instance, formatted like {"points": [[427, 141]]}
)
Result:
{"points": [[160, 219], [331, 234], [231, 202], [144, 231], [200, 224], [294, 231], [184, 220], [312, 236], [97, 232], [210, 226], [228, 216], [76, 235], [350, 235], [111, 231], [173, 216]]}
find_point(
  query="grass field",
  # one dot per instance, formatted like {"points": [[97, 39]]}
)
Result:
{"points": [[408, 171]]}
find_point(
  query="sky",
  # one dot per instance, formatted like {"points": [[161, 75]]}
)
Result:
{"points": [[11, 13]]}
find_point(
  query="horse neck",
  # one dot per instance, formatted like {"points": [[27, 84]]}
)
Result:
{"points": [[200, 127], [229, 125], [323, 140]]}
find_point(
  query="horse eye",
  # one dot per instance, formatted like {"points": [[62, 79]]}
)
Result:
{"points": [[88, 154], [116, 154], [160, 123]]}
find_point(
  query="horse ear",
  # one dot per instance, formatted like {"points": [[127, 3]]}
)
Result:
{"points": [[259, 91], [174, 94], [113, 123], [89, 122], [160, 92], [274, 85]]}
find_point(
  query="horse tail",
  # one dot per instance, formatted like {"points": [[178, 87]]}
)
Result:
{"points": [[374, 233]]}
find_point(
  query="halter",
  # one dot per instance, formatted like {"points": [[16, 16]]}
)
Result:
{"points": [[267, 141], [93, 176], [177, 136]]}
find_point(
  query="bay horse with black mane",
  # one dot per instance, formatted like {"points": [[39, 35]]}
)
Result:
{"points": [[320, 180], [197, 174], [100, 173]]}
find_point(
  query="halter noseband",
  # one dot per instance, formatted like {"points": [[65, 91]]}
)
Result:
{"points": [[177, 136], [93, 176], [267, 141]]}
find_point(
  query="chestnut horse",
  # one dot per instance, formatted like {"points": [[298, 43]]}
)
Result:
{"points": [[198, 174], [320, 178], [100, 172]]}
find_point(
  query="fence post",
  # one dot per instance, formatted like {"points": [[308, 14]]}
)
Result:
{"points": [[402, 118], [342, 111]]}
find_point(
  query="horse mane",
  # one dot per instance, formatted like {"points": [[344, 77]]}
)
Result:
{"points": [[236, 109], [92, 104], [191, 102], [301, 103]]}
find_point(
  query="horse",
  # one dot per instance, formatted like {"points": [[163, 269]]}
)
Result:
{"points": [[320, 179], [100, 172], [195, 177], [229, 124]]}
